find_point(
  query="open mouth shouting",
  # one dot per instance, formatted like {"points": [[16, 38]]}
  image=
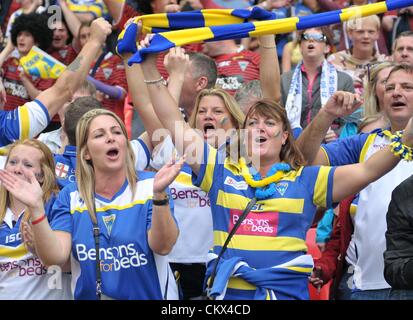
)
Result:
{"points": [[310, 46], [209, 128], [112, 153], [398, 104], [260, 140]]}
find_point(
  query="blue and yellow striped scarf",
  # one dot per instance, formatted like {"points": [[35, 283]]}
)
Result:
{"points": [[177, 29]]}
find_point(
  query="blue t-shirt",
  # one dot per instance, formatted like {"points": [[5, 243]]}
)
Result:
{"points": [[24, 122], [274, 231], [129, 268]]}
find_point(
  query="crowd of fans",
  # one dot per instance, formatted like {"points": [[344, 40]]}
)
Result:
{"points": [[127, 181]]}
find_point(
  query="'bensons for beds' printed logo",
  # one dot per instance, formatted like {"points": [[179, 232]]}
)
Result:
{"points": [[256, 224]]}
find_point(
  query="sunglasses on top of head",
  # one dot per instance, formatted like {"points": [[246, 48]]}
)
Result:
{"points": [[314, 36]]}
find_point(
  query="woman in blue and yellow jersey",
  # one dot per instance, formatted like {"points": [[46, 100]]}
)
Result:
{"points": [[267, 257], [215, 114], [22, 274], [130, 210]]}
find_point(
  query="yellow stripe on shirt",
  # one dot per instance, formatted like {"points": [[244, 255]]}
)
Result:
{"points": [[209, 170], [260, 243], [369, 141], [286, 205], [321, 187], [24, 122], [184, 178], [109, 207], [13, 253]]}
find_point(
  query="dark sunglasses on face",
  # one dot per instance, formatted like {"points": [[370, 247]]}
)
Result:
{"points": [[314, 36]]}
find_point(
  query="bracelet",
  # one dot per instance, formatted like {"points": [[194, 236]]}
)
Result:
{"points": [[162, 202], [399, 149], [38, 220], [161, 80], [267, 47]]}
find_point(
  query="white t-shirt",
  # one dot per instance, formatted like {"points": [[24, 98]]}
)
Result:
{"points": [[370, 223], [22, 274], [192, 211]]}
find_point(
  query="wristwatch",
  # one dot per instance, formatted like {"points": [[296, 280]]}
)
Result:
{"points": [[162, 202]]}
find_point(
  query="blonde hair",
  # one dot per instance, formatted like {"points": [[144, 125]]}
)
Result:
{"points": [[354, 24], [371, 102], [47, 166], [84, 168], [228, 100]]}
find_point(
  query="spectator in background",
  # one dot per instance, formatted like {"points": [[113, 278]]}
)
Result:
{"points": [[56, 140], [396, 22], [249, 93], [61, 48], [363, 33], [235, 64], [306, 88], [30, 119], [341, 37], [108, 69], [403, 48], [370, 222], [373, 115], [28, 30], [291, 54]]}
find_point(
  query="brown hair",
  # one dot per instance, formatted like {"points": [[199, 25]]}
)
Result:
{"points": [[289, 151]]}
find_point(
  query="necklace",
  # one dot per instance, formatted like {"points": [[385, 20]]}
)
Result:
{"points": [[264, 187]]}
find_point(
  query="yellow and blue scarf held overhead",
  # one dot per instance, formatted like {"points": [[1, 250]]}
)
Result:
{"points": [[177, 29]]}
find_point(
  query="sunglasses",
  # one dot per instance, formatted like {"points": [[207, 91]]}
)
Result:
{"points": [[314, 36]]}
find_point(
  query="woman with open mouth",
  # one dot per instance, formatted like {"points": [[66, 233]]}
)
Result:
{"points": [[266, 258]]}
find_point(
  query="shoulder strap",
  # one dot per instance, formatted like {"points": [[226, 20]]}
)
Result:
{"points": [[96, 233], [248, 208]]}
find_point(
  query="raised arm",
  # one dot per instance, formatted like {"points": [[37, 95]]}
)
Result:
{"points": [[115, 8], [353, 178], [72, 20], [74, 75], [269, 69], [52, 247], [176, 62], [184, 137], [340, 104]]}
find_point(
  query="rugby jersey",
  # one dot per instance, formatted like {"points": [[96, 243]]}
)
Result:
{"points": [[130, 270], [192, 210], [65, 163], [274, 231], [22, 274], [24, 122], [370, 224], [235, 69]]}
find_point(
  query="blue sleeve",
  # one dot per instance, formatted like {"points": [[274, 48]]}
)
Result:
{"points": [[345, 151], [60, 217]]}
